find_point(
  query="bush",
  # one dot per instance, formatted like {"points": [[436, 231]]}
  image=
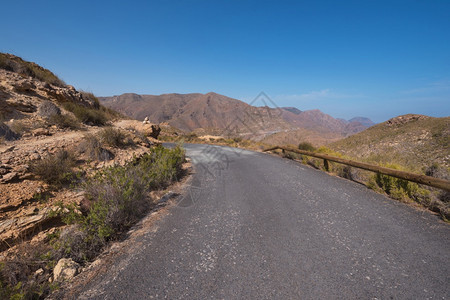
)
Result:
{"points": [[112, 137], [306, 146], [86, 115], [93, 148], [117, 199], [64, 121], [397, 188], [55, 169]]}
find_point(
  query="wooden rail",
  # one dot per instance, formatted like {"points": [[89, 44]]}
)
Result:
{"points": [[422, 179]]}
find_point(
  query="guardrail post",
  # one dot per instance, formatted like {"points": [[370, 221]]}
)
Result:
{"points": [[326, 165]]}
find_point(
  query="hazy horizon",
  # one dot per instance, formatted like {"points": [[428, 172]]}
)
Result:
{"points": [[351, 58]]}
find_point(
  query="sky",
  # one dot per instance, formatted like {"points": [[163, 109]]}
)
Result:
{"points": [[376, 59]]}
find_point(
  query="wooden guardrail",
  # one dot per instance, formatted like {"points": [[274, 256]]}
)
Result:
{"points": [[422, 179]]}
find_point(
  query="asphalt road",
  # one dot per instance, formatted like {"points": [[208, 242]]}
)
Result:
{"points": [[255, 226]]}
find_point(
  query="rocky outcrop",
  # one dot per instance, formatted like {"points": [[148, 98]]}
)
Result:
{"points": [[30, 95]]}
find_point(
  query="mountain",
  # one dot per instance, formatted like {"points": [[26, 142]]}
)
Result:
{"points": [[209, 111], [364, 121], [294, 110], [416, 141], [227, 116]]}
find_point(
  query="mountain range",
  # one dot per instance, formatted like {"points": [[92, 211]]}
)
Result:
{"points": [[219, 114]]}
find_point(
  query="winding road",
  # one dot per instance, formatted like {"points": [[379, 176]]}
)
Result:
{"points": [[256, 226]]}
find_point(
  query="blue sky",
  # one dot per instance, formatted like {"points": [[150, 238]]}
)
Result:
{"points": [[377, 59]]}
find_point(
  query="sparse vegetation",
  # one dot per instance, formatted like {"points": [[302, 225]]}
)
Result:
{"points": [[18, 278], [92, 146], [56, 169], [113, 137], [306, 146], [64, 121], [117, 198], [87, 115]]}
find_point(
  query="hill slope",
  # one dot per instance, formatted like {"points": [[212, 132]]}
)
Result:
{"points": [[415, 141]]}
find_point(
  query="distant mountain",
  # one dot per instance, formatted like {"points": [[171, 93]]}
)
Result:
{"points": [[365, 121], [294, 110], [223, 115], [415, 141]]}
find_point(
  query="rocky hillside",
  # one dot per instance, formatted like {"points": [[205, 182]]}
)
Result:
{"points": [[51, 135], [415, 141], [222, 115]]}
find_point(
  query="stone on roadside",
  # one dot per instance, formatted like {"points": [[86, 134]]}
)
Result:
{"points": [[65, 269]]}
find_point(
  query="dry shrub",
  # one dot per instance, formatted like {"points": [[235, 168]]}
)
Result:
{"points": [[112, 137], [86, 115], [56, 169], [94, 150], [64, 121]]}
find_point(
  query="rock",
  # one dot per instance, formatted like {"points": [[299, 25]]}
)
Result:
{"points": [[48, 109], [35, 156], [7, 133], [155, 131], [40, 131], [105, 155], [65, 269], [9, 177], [24, 86], [24, 106], [39, 272]]}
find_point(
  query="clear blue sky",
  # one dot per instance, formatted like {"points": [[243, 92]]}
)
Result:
{"points": [[348, 58]]}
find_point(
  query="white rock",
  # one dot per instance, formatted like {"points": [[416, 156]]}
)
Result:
{"points": [[65, 269]]}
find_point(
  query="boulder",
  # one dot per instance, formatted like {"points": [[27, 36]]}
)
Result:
{"points": [[9, 177], [65, 269], [7, 133], [48, 109]]}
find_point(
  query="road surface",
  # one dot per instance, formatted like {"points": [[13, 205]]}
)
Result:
{"points": [[256, 226]]}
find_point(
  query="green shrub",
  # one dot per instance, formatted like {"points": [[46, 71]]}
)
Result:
{"points": [[55, 169], [397, 188], [117, 199], [306, 146], [86, 115]]}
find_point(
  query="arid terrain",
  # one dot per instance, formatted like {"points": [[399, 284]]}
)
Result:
{"points": [[220, 115], [52, 139], [415, 141]]}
